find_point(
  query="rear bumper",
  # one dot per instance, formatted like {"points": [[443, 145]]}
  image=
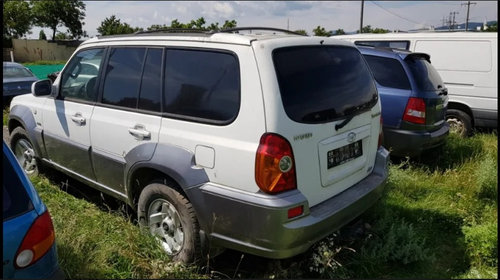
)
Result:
{"points": [[258, 223], [413, 143]]}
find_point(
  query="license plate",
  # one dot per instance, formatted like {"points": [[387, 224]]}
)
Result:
{"points": [[344, 154]]}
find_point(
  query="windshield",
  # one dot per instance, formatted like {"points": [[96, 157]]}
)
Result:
{"points": [[16, 72], [319, 84], [426, 76]]}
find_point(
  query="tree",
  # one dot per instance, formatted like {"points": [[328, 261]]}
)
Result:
{"points": [[54, 13], [369, 29], [42, 36], [339, 31], [229, 24], [113, 26], [62, 36], [320, 31], [17, 19], [301, 31]]}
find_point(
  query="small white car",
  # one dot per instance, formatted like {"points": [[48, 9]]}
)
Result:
{"points": [[254, 139]]}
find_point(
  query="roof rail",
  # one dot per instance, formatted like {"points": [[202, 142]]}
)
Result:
{"points": [[237, 29], [172, 30]]}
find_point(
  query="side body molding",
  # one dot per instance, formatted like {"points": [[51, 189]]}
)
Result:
{"points": [[23, 115], [174, 161]]}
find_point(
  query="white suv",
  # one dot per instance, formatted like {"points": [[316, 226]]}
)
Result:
{"points": [[254, 139]]}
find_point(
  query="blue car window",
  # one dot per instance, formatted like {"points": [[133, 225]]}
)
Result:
{"points": [[15, 198], [388, 72]]}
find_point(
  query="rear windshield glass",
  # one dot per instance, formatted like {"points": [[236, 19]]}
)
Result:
{"points": [[388, 72], [426, 76], [15, 199], [323, 83]]}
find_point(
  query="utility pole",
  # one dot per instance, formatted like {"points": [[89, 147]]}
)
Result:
{"points": [[361, 22], [467, 19], [452, 22]]}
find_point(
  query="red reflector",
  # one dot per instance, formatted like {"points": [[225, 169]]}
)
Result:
{"points": [[415, 111], [295, 211]]}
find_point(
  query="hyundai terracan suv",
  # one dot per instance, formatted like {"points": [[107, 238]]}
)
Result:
{"points": [[254, 139]]}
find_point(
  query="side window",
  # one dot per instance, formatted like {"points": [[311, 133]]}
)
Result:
{"points": [[150, 96], [123, 77], [388, 72], [202, 84], [78, 80]]}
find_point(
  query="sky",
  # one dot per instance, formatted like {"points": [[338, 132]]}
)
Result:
{"points": [[292, 15]]}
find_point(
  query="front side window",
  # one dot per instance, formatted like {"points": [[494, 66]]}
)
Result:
{"points": [[388, 72], [204, 85], [321, 84], [78, 80], [123, 77]]}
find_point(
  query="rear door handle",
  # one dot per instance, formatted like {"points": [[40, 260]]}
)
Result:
{"points": [[140, 132], [78, 119]]}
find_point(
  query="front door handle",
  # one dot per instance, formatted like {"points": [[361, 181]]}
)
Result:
{"points": [[78, 119], [140, 132]]}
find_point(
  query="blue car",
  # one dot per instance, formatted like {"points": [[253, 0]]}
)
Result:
{"points": [[413, 98], [29, 248]]}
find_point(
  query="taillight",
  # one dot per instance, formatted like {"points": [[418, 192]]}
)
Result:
{"points": [[37, 241], [274, 164], [415, 111], [380, 134]]}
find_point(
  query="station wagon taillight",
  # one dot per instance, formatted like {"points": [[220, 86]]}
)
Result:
{"points": [[37, 241], [275, 165], [415, 111]]}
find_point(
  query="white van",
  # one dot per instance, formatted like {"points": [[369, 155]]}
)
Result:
{"points": [[467, 63]]}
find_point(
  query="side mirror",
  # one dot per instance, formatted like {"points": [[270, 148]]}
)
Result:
{"points": [[41, 88]]}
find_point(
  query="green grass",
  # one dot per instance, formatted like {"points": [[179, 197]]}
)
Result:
{"points": [[437, 219]]}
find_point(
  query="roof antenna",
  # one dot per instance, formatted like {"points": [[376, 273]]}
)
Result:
{"points": [[321, 42]]}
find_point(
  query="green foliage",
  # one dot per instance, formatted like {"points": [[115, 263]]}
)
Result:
{"points": [[42, 36], [322, 261], [482, 243], [6, 111], [396, 241], [195, 24], [113, 26], [17, 19], [51, 14], [320, 31], [487, 178], [369, 29], [339, 31], [301, 31]]}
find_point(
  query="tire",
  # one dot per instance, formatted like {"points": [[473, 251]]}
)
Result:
{"points": [[23, 150], [175, 226], [460, 122]]}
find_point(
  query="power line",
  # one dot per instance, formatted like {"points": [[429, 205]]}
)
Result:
{"points": [[394, 14]]}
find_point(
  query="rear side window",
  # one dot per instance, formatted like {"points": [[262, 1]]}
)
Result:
{"points": [[123, 77], [426, 76], [204, 85], [15, 199], [388, 72], [323, 83]]}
